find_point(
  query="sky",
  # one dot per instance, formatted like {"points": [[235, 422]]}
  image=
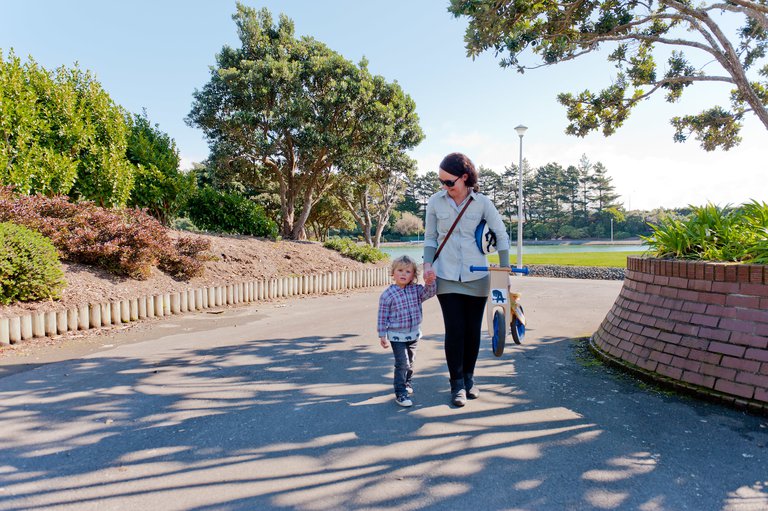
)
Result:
{"points": [[153, 54]]}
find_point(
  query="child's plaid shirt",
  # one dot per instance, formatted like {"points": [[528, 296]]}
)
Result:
{"points": [[400, 308]]}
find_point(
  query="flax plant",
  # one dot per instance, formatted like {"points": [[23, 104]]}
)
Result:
{"points": [[714, 233]]}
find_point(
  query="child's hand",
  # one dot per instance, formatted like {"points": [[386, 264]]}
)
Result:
{"points": [[429, 277], [384, 342]]}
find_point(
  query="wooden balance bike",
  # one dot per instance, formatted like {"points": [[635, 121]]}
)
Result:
{"points": [[503, 303]]}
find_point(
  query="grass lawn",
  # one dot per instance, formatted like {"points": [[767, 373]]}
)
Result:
{"points": [[605, 259]]}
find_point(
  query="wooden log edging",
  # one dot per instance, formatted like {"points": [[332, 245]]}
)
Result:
{"points": [[700, 327], [17, 329]]}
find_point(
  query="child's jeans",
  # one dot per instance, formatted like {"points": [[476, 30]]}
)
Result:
{"points": [[404, 353]]}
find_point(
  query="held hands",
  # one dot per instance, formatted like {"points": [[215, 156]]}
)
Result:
{"points": [[384, 342], [429, 274]]}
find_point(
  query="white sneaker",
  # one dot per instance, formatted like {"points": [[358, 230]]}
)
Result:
{"points": [[404, 401]]}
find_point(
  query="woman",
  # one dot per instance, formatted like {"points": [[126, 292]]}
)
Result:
{"points": [[461, 293]]}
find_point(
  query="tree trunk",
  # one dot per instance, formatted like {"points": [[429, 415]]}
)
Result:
{"points": [[299, 232], [377, 238]]}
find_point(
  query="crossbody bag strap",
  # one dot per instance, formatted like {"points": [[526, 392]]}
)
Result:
{"points": [[448, 235]]}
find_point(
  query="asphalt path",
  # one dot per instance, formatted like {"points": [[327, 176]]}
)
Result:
{"points": [[289, 405]]}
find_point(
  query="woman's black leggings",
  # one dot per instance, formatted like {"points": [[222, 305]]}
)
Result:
{"points": [[463, 318]]}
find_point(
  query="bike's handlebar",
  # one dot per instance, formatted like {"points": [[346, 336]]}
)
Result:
{"points": [[524, 270]]}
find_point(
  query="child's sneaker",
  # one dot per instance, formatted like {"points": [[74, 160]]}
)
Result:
{"points": [[404, 401], [408, 388]]}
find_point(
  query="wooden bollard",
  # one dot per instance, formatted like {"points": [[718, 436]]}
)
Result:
{"points": [[5, 331], [14, 329], [116, 312], [73, 319], [50, 323], [95, 315], [61, 321], [83, 317], [106, 314], [133, 310], [159, 307], [38, 324]]}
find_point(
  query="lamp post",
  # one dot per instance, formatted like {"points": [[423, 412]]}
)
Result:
{"points": [[520, 131]]}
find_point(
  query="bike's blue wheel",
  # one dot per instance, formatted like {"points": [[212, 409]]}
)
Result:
{"points": [[499, 333], [518, 329]]}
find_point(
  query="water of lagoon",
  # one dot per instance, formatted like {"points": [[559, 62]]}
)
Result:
{"points": [[415, 250]]}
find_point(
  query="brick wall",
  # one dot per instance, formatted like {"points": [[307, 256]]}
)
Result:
{"points": [[701, 326]]}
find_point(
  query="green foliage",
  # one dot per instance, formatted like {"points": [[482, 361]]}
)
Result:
{"points": [[634, 31], [125, 242], [29, 266], [216, 211], [348, 248], [715, 127], [184, 224], [621, 235], [573, 233], [159, 186], [714, 233], [60, 133], [329, 214], [291, 112]]}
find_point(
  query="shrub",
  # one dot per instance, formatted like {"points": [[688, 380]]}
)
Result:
{"points": [[122, 241], [714, 233], [409, 224], [61, 133], [573, 233], [348, 248], [185, 261], [621, 235], [29, 266], [184, 224], [232, 213]]}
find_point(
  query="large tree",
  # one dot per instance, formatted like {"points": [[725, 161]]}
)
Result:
{"points": [[711, 41], [294, 110]]}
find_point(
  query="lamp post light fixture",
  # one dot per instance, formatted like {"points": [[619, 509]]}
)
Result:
{"points": [[520, 131]]}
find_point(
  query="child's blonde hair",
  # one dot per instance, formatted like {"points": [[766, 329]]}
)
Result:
{"points": [[405, 260]]}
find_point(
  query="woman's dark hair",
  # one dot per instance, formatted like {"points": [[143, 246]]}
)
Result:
{"points": [[458, 164]]}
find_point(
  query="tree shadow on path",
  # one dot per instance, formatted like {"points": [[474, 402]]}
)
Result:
{"points": [[309, 423]]}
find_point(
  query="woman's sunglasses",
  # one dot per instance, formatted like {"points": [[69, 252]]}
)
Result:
{"points": [[448, 182]]}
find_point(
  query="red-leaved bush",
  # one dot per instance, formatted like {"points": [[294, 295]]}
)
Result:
{"points": [[122, 241]]}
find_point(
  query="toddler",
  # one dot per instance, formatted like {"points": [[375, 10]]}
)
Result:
{"points": [[399, 322]]}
